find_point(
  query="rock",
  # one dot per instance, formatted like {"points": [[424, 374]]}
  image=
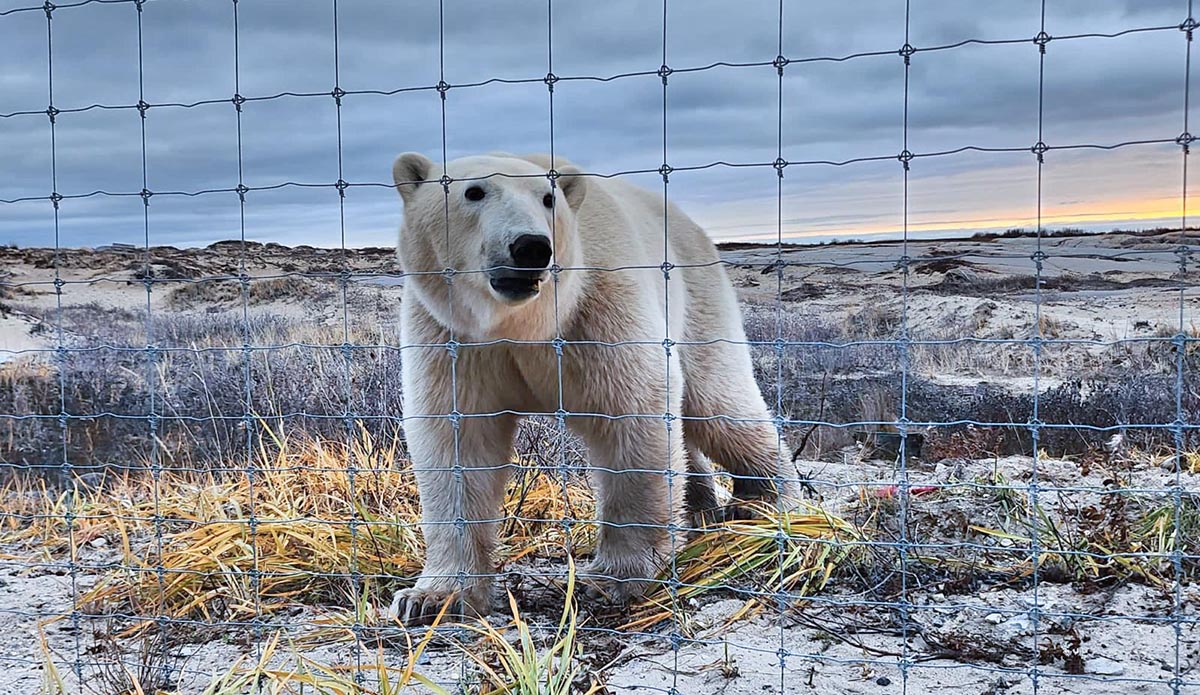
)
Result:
{"points": [[1015, 627], [1103, 666], [883, 680], [98, 542], [994, 618]]}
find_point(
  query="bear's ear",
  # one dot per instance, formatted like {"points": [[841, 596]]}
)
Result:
{"points": [[409, 171], [573, 184]]}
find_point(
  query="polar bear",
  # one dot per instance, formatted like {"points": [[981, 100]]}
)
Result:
{"points": [[532, 288]]}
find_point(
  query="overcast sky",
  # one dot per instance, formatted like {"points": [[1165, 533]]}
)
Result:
{"points": [[1100, 91]]}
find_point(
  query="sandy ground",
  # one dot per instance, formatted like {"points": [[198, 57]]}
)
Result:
{"points": [[17, 337], [1099, 287], [1118, 654], [1102, 287], [982, 639], [985, 638]]}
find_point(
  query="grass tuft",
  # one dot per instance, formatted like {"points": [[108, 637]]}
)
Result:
{"points": [[521, 667], [794, 551]]}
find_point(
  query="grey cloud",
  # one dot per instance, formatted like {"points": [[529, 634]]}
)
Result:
{"points": [[1097, 90]]}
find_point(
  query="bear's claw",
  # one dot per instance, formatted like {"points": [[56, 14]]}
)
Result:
{"points": [[421, 606], [606, 584]]}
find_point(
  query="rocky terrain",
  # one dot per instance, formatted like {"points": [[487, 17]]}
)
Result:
{"points": [[1041, 528]]}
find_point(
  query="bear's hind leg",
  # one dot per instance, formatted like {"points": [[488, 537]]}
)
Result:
{"points": [[703, 498], [727, 419], [750, 452]]}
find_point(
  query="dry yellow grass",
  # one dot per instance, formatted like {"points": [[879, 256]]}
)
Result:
{"points": [[794, 551], [213, 564], [302, 547], [293, 528]]}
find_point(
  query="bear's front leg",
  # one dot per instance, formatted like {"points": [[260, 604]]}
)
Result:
{"points": [[461, 485], [637, 502]]}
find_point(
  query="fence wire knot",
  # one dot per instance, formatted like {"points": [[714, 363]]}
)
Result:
{"points": [[1040, 149], [1041, 40], [1188, 26]]}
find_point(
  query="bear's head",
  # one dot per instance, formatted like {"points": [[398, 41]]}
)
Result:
{"points": [[497, 226]]}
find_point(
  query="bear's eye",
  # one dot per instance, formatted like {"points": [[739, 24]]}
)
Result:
{"points": [[548, 200], [474, 193]]}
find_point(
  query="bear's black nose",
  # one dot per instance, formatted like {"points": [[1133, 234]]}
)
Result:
{"points": [[530, 251]]}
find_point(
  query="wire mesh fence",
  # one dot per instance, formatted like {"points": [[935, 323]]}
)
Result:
{"points": [[210, 490]]}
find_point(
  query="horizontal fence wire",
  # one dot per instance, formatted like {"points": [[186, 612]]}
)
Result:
{"points": [[1031, 561]]}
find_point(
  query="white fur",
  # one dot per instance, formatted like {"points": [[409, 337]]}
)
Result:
{"points": [[608, 237]]}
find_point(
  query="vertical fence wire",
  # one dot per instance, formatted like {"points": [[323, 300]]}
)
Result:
{"points": [[61, 356], [904, 606], [1178, 539], [782, 535], [349, 417], [669, 417], [151, 351], [460, 522], [1039, 256], [248, 421], [561, 439]]}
